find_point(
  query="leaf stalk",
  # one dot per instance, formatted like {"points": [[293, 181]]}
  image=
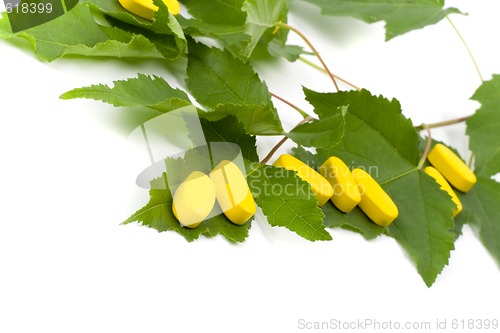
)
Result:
{"points": [[321, 69], [313, 49], [466, 47], [427, 147]]}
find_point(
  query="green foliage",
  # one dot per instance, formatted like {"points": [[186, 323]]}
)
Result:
{"points": [[77, 33], [381, 140], [157, 214], [295, 208], [400, 16], [365, 131]]}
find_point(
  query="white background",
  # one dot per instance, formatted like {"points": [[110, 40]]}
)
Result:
{"points": [[67, 180]]}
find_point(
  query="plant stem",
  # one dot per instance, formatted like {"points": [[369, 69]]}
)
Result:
{"points": [[466, 47], [282, 141], [442, 123], [313, 49], [293, 106], [427, 148], [321, 69]]}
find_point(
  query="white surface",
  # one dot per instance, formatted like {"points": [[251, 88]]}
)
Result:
{"points": [[67, 181]]}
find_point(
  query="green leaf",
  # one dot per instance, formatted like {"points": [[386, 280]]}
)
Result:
{"points": [[261, 16], [229, 129], [483, 128], [76, 33], [149, 91], [400, 16], [287, 201], [157, 214], [217, 77], [482, 213], [257, 119], [381, 140], [355, 220], [277, 49], [325, 132]]}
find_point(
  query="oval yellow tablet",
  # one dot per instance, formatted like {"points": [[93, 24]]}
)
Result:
{"points": [[346, 195], [194, 199], [233, 193], [375, 202], [434, 173], [319, 185], [146, 8], [452, 167]]}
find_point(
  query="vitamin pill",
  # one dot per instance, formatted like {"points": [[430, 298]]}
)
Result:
{"points": [[194, 199], [319, 185], [375, 202]]}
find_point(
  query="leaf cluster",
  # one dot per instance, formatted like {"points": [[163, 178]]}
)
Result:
{"points": [[235, 106]]}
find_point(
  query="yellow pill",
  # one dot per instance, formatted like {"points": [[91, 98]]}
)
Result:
{"points": [[233, 193], [452, 168], [319, 185], [446, 187], [346, 195], [194, 199], [375, 202], [146, 8]]}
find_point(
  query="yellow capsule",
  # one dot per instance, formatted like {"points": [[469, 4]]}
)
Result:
{"points": [[375, 202], [434, 173], [319, 185], [452, 167], [146, 8], [194, 199], [233, 193], [346, 195]]}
